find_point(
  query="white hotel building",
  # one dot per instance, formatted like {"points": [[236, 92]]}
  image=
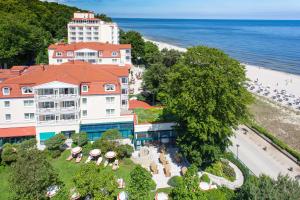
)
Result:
{"points": [[42, 101], [84, 27]]}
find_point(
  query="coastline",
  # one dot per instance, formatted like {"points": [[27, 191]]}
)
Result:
{"points": [[279, 87]]}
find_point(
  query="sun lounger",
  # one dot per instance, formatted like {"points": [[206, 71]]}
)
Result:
{"points": [[153, 168], [99, 161], [88, 159], [115, 165], [167, 170], [162, 158], [105, 163], [70, 158], [78, 159], [121, 183]]}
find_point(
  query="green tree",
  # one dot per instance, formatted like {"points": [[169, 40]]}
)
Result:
{"points": [[111, 134], [99, 183], [137, 42], [80, 139], [152, 54], [124, 151], [284, 188], [188, 188], [170, 57], [140, 184], [153, 79], [104, 145], [56, 142], [9, 154], [205, 92], [28, 144], [31, 175], [104, 17]]}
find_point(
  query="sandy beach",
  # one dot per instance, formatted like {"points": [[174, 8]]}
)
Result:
{"points": [[280, 87]]}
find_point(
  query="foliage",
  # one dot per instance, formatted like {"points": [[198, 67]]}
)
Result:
{"points": [[103, 17], [80, 139], [215, 194], [31, 175], [274, 139], [222, 169], [124, 151], [175, 181], [189, 187], [170, 57], [152, 54], [87, 148], [152, 115], [104, 145], [111, 134], [137, 42], [9, 154], [140, 184], [154, 77], [285, 188], [205, 178], [28, 144], [56, 142], [93, 180], [205, 93]]}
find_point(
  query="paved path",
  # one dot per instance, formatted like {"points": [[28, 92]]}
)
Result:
{"points": [[270, 162]]}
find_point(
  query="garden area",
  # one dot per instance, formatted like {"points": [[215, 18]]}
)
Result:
{"points": [[152, 115]]}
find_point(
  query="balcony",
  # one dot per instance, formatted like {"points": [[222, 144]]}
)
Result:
{"points": [[59, 96], [60, 110]]}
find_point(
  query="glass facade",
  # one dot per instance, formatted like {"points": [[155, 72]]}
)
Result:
{"points": [[95, 131], [13, 140], [166, 136]]}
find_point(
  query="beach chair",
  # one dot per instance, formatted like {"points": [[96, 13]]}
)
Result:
{"points": [[153, 168], [167, 170], [70, 158], [99, 161], [121, 183], [79, 157], [115, 165], [105, 163], [88, 159]]}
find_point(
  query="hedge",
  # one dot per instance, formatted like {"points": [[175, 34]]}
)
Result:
{"points": [[276, 141]]}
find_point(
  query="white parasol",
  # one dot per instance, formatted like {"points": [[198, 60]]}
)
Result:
{"points": [[76, 150], [95, 152], [110, 154], [161, 196]]}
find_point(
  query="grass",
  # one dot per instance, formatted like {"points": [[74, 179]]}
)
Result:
{"points": [[152, 115], [222, 169], [4, 185]]}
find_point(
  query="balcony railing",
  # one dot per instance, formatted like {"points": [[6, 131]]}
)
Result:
{"points": [[58, 96]]}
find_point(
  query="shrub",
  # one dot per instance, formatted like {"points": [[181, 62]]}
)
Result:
{"points": [[215, 195], [175, 181], [222, 169], [28, 144], [56, 142], [87, 148], [55, 153], [9, 154], [205, 178], [111, 134], [104, 145], [80, 139], [124, 151]]}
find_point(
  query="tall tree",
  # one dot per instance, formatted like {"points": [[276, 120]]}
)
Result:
{"points": [[206, 94], [152, 54], [96, 182], [170, 57], [31, 175], [137, 42], [188, 188], [140, 184]]}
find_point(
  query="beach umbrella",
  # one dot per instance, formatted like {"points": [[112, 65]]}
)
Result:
{"points": [[110, 154], [161, 196], [95, 152], [76, 150]]}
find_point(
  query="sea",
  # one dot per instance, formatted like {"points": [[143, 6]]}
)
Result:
{"points": [[273, 44]]}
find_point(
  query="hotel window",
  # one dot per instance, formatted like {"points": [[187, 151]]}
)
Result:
{"points": [[59, 60], [110, 100], [47, 117], [124, 91], [127, 50], [27, 90], [73, 33], [95, 28], [79, 54], [114, 60], [84, 113], [68, 104], [29, 116], [58, 53], [100, 60], [110, 112], [6, 91], [84, 101], [100, 53], [124, 102], [73, 38], [95, 33], [7, 117], [6, 104], [80, 33], [72, 28], [70, 53], [96, 38], [80, 38], [110, 87], [88, 33], [91, 54], [84, 88], [124, 80], [88, 28], [88, 38], [91, 60], [28, 103], [80, 28], [114, 53], [47, 104]]}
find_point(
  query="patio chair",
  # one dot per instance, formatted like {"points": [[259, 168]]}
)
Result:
{"points": [[99, 161], [79, 157], [162, 158], [153, 168], [88, 159], [167, 170], [105, 163], [115, 165]]}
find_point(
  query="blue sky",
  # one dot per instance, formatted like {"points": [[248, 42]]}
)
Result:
{"points": [[213, 9]]}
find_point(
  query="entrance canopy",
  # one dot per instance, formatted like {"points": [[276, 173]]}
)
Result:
{"points": [[17, 132]]}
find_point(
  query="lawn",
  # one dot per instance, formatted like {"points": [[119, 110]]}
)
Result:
{"points": [[152, 115], [4, 173]]}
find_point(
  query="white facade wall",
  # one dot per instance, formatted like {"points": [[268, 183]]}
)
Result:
{"points": [[154, 127], [17, 111]]}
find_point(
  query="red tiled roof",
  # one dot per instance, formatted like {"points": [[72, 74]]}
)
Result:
{"points": [[17, 132], [133, 104], [77, 73]]}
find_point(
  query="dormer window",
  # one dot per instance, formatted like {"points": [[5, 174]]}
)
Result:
{"points": [[100, 53], [84, 88], [27, 90], [58, 53], [110, 87], [6, 91], [114, 53], [70, 53]]}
